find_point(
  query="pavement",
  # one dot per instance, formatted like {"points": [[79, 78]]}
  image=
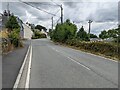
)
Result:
{"points": [[11, 64], [55, 66]]}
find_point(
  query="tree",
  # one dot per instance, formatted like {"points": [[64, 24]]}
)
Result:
{"points": [[112, 33], [12, 23], [40, 28], [118, 34], [103, 34], [82, 35], [108, 34], [64, 31], [93, 36]]}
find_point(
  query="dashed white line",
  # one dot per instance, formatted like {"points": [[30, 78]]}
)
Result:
{"points": [[79, 63], [71, 59]]}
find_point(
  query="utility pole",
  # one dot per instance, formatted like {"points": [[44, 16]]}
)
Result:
{"points": [[8, 6], [118, 36], [61, 14], [52, 23], [8, 11], [90, 21]]}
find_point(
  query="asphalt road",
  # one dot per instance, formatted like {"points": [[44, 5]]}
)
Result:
{"points": [[55, 66]]}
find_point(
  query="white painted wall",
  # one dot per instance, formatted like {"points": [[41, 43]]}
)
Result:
{"points": [[27, 32]]}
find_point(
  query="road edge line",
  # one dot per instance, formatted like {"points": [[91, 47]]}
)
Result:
{"points": [[97, 55], [90, 53], [21, 70], [27, 84]]}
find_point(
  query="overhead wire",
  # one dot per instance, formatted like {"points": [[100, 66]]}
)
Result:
{"points": [[50, 5], [38, 8], [57, 21], [44, 10]]}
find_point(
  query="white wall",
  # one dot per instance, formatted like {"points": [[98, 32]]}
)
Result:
{"points": [[27, 32]]}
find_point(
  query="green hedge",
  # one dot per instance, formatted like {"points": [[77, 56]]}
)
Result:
{"points": [[97, 47]]}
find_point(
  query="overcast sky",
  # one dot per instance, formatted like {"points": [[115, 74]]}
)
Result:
{"points": [[104, 14]]}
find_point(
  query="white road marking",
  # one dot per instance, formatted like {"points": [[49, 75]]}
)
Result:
{"points": [[79, 63], [21, 70], [29, 70], [71, 59]]}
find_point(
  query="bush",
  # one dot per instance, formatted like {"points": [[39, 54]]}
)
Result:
{"points": [[38, 35], [12, 23], [14, 37], [97, 47]]}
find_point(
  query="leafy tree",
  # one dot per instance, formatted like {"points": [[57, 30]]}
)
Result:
{"points": [[82, 35], [112, 33], [103, 34], [12, 23], [108, 34], [118, 33], [40, 27], [38, 35], [93, 36], [64, 31]]}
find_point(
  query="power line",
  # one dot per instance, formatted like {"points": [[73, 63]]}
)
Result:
{"points": [[43, 18], [61, 10], [38, 8], [56, 4], [57, 12], [48, 4], [57, 21]]}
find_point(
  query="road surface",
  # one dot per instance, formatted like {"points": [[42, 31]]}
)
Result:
{"points": [[55, 66]]}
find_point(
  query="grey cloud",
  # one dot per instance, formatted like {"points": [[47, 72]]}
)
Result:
{"points": [[107, 14], [15, 7], [70, 4], [79, 12]]}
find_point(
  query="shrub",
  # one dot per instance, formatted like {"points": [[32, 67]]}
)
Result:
{"points": [[12, 23], [14, 37], [38, 35], [97, 47]]}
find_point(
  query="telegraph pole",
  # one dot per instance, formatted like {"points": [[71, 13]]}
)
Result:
{"points": [[52, 23], [8, 11], [90, 21], [118, 36], [8, 6], [61, 14]]}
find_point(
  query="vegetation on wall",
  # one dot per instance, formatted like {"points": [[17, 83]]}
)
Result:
{"points": [[13, 39]]}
